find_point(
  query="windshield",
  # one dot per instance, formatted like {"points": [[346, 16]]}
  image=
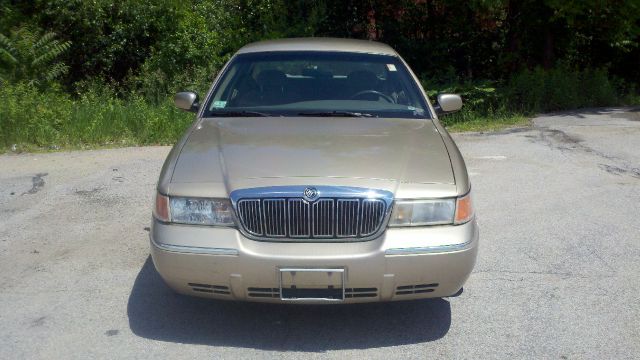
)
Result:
{"points": [[308, 83]]}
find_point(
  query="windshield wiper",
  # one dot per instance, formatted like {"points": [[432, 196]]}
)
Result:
{"points": [[243, 113], [336, 113]]}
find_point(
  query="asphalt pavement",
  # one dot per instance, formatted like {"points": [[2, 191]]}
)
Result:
{"points": [[557, 276]]}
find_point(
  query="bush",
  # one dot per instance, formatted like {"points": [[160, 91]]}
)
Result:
{"points": [[28, 117], [534, 91], [560, 88]]}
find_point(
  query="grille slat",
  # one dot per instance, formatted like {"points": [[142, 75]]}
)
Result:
{"points": [[348, 217], [274, 214], [373, 212], [325, 218], [251, 216], [298, 218]]}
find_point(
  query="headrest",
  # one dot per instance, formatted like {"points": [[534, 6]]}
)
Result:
{"points": [[362, 77], [271, 78]]}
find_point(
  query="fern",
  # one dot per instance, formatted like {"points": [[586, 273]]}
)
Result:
{"points": [[27, 55]]}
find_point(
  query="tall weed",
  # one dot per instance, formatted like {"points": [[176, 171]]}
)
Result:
{"points": [[32, 118]]}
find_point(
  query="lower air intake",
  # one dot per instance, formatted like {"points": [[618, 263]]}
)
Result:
{"points": [[211, 289], [415, 289]]}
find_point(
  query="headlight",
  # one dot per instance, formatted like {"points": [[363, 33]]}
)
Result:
{"points": [[432, 212], [201, 211], [198, 211], [422, 212]]}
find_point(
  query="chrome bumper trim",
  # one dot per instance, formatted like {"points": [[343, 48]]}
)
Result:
{"points": [[428, 249], [196, 249]]}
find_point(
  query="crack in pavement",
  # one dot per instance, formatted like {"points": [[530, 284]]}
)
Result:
{"points": [[562, 141]]}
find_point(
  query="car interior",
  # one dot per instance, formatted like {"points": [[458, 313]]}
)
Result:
{"points": [[274, 87]]}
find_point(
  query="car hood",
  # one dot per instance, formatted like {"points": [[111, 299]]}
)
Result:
{"points": [[307, 150]]}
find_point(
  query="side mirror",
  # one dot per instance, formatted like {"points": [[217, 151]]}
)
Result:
{"points": [[187, 101], [448, 103]]}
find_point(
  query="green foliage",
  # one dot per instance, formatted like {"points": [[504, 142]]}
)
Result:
{"points": [[30, 117], [28, 56], [187, 58], [110, 39], [151, 46], [272, 19], [490, 103], [9, 17], [206, 33], [560, 88], [118, 63]]}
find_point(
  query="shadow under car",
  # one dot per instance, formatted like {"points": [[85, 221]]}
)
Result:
{"points": [[156, 312]]}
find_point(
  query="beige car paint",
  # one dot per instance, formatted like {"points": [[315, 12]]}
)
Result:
{"points": [[412, 158], [409, 150]]}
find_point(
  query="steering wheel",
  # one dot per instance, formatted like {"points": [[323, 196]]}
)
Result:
{"points": [[374, 92]]}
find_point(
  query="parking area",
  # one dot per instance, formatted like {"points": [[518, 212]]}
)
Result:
{"points": [[557, 274]]}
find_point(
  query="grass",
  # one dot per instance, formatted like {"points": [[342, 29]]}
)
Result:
{"points": [[484, 124], [31, 120]]}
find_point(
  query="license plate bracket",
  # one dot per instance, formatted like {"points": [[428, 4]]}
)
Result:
{"points": [[312, 284]]}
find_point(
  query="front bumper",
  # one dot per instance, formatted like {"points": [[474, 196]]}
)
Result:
{"points": [[402, 264]]}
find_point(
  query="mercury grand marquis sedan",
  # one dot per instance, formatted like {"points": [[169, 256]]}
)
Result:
{"points": [[316, 171]]}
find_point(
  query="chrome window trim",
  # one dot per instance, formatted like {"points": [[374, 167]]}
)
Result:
{"points": [[324, 192]]}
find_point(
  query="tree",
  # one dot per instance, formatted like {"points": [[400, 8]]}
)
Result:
{"points": [[27, 55]]}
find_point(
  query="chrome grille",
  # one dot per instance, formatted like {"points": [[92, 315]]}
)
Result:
{"points": [[372, 212], [347, 217], [250, 212], [298, 214], [325, 218], [275, 220]]}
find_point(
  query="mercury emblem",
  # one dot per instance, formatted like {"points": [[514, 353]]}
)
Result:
{"points": [[310, 194]]}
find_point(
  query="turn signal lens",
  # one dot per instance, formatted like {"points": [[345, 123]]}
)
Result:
{"points": [[464, 209], [161, 210]]}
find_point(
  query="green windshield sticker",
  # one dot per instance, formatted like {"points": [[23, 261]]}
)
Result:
{"points": [[219, 104]]}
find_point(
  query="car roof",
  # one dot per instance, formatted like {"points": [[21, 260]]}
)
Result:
{"points": [[319, 44]]}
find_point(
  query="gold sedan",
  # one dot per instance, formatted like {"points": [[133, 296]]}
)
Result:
{"points": [[316, 171]]}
